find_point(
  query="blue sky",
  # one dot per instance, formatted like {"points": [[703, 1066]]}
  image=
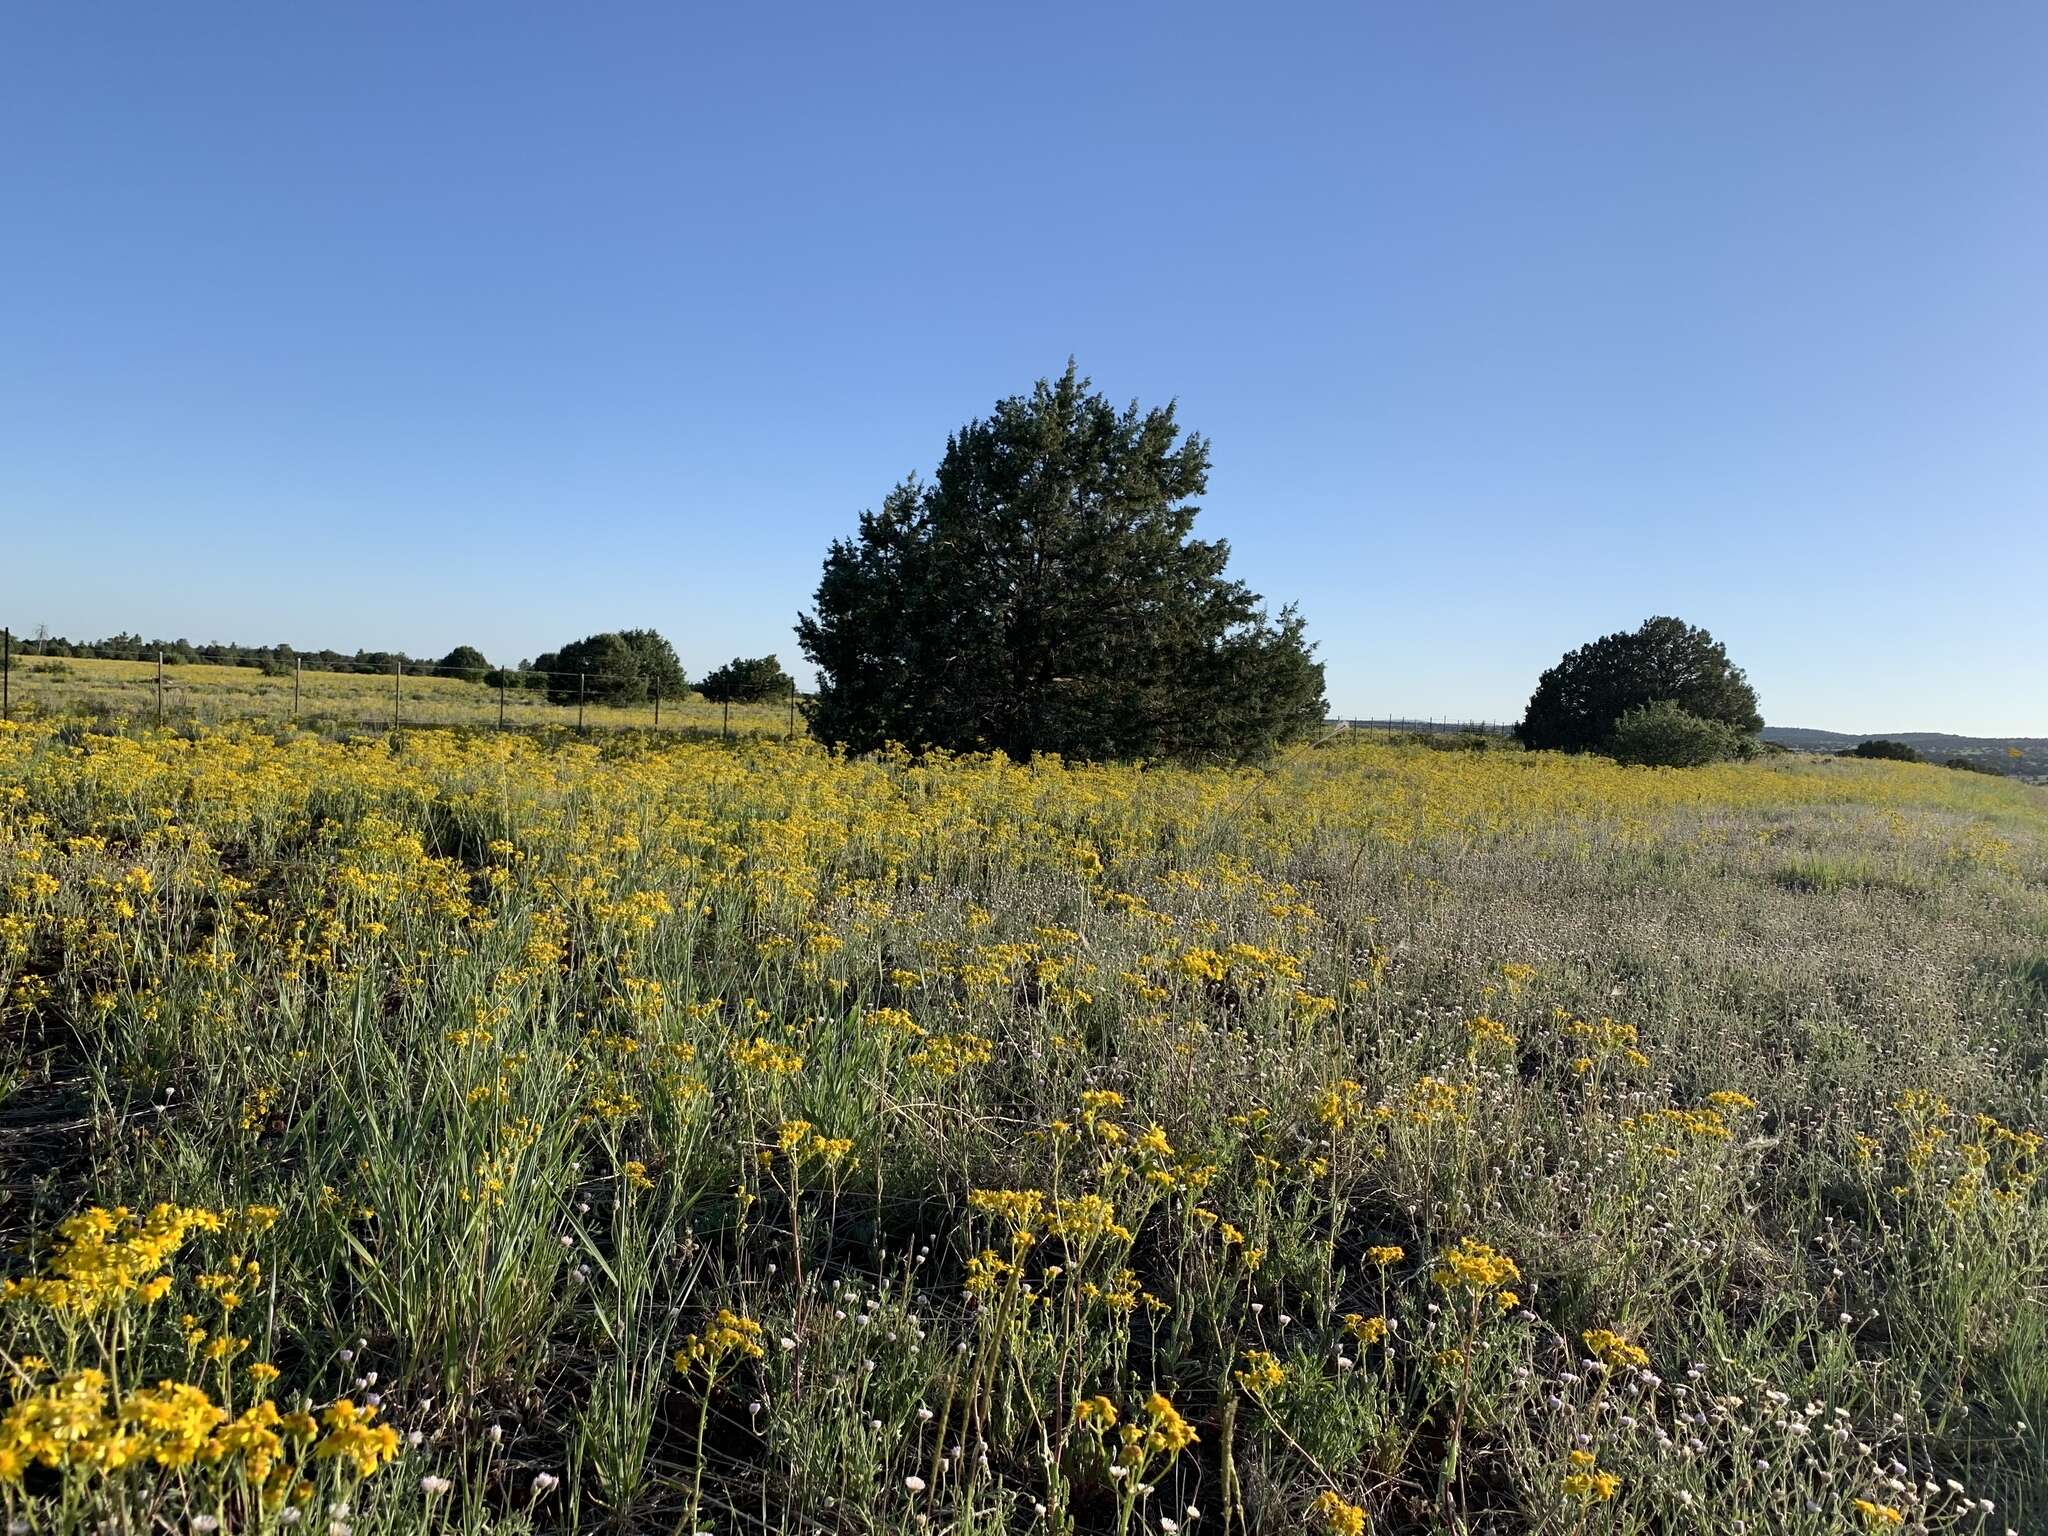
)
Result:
{"points": [[403, 326]]}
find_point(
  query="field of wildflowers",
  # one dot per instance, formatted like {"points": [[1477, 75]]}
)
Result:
{"points": [[475, 1133]]}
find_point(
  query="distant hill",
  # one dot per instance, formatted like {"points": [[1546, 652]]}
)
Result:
{"points": [[1936, 746]]}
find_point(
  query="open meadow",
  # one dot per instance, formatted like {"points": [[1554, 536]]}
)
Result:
{"points": [[198, 693], [463, 1131]]}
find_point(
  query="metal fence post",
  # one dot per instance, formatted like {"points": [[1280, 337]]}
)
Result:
{"points": [[298, 676], [657, 706], [580, 680], [6, 674], [725, 730], [792, 721], [397, 709], [159, 690], [501, 699]]}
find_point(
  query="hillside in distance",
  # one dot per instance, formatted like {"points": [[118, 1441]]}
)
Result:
{"points": [[1936, 746]]}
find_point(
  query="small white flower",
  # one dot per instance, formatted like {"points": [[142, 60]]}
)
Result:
{"points": [[914, 1483], [434, 1487], [545, 1483]]}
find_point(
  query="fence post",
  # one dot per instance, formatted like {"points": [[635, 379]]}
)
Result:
{"points": [[579, 700], [159, 690], [397, 708], [657, 706], [792, 720], [298, 675], [501, 699], [725, 730], [6, 674]]}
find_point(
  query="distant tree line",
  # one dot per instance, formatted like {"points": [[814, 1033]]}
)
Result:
{"points": [[182, 652], [628, 666]]}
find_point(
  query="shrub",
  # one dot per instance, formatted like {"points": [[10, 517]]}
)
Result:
{"points": [[465, 662], [628, 666], [1887, 751], [745, 680], [1578, 702], [1661, 735]]}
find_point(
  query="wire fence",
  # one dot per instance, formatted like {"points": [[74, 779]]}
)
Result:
{"points": [[226, 683], [155, 688], [1428, 726]]}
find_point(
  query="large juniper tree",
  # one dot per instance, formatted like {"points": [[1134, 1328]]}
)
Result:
{"points": [[1044, 593], [1578, 702]]}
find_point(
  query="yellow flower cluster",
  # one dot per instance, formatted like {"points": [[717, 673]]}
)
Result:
{"points": [[1260, 1374], [75, 1425], [108, 1258], [1585, 1481], [1613, 1349], [1338, 1516], [728, 1335], [1479, 1270]]}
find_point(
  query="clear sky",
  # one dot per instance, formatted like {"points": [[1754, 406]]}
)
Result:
{"points": [[398, 326]]}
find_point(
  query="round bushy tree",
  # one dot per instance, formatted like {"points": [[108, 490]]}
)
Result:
{"points": [[1044, 593], [747, 680], [465, 662], [1579, 701], [627, 666], [1662, 735]]}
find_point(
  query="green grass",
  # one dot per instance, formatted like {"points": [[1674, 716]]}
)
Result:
{"points": [[200, 694]]}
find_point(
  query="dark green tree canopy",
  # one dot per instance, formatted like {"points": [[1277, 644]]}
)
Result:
{"points": [[1578, 702], [1888, 751], [465, 662], [627, 666], [747, 680], [1044, 593]]}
